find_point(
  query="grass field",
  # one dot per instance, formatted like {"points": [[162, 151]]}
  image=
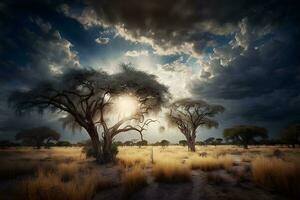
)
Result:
{"points": [[212, 172]]}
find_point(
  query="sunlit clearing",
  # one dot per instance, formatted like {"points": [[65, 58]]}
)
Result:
{"points": [[126, 105]]}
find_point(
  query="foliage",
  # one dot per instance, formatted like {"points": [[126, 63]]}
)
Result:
{"points": [[37, 136], [189, 114], [291, 134], [244, 134], [87, 97], [182, 142], [142, 143], [63, 144], [164, 143]]}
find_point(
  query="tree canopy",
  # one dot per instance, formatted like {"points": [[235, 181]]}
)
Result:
{"points": [[291, 134], [244, 134], [86, 96], [37, 136], [189, 114]]}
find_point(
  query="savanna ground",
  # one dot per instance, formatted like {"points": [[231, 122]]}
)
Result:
{"points": [[221, 172]]}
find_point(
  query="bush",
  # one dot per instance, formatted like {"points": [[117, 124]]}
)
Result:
{"points": [[90, 152]]}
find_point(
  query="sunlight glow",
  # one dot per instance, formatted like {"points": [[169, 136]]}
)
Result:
{"points": [[126, 105]]}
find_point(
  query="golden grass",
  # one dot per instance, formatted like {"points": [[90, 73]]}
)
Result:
{"points": [[49, 185], [277, 174], [133, 156], [133, 180], [171, 171], [210, 163]]}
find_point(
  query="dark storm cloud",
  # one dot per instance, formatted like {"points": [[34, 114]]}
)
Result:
{"points": [[170, 24], [257, 74], [30, 50]]}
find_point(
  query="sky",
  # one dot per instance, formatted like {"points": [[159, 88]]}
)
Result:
{"points": [[241, 54]]}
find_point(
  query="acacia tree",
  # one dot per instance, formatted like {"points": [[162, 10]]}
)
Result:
{"points": [[291, 135], [244, 134], [37, 136], [86, 97], [189, 114]]}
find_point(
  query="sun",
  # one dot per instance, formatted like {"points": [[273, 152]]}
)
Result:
{"points": [[126, 105]]}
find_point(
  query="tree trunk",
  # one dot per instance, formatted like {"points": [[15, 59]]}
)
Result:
{"points": [[191, 144], [97, 146], [108, 154]]}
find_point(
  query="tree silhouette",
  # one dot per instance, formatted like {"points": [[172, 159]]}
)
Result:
{"points": [[37, 136], [164, 143], [291, 135], [189, 114], [244, 134], [182, 142], [210, 140], [87, 96]]}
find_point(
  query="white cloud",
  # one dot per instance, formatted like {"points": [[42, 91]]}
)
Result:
{"points": [[135, 53], [102, 40]]}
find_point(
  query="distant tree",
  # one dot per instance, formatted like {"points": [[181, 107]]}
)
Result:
{"points": [[142, 143], [64, 143], [164, 143], [244, 134], [128, 143], [6, 143], [209, 140], [219, 140], [183, 142], [37, 136], [199, 143], [291, 135], [189, 114], [118, 143]]}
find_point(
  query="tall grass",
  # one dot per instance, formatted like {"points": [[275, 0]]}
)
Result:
{"points": [[210, 163], [171, 171], [133, 180], [277, 174], [50, 185]]}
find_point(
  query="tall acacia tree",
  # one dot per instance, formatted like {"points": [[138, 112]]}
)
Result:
{"points": [[189, 114], [244, 134], [86, 97]]}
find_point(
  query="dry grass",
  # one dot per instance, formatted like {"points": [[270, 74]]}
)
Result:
{"points": [[64, 173], [133, 180], [49, 185], [11, 170], [171, 171], [210, 163], [277, 174], [133, 156]]}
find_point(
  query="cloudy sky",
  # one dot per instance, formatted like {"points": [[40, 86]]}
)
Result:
{"points": [[243, 54]]}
